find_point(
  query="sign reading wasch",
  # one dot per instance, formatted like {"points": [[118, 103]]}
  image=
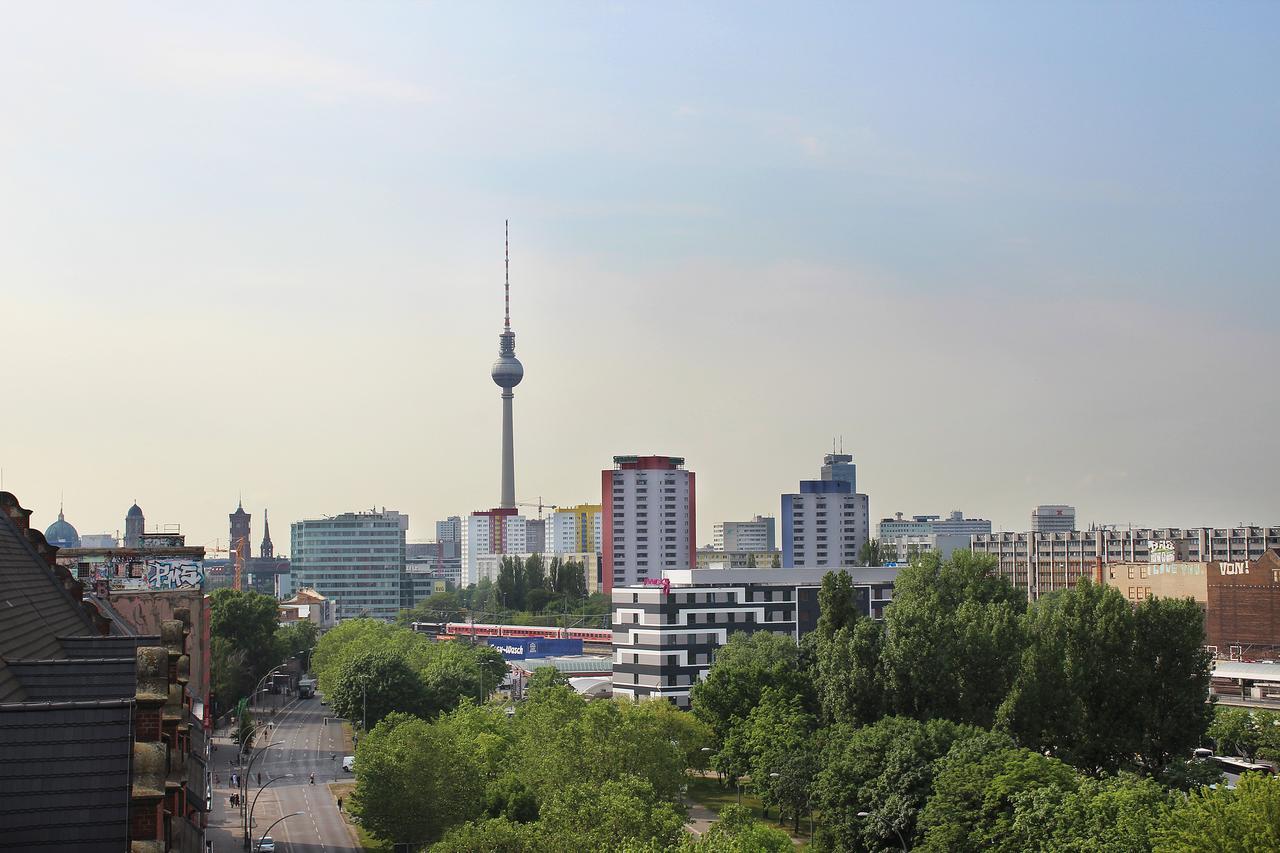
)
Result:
{"points": [[522, 648]]}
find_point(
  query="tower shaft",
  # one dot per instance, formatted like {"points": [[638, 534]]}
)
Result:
{"points": [[508, 453]]}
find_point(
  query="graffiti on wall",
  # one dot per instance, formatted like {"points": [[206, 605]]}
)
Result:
{"points": [[148, 573], [172, 574]]}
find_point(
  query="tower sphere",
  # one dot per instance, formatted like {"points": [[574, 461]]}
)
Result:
{"points": [[507, 371]]}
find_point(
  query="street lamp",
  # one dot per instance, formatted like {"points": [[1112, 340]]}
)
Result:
{"points": [[895, 830], [273, 826], [258, 686], [255, 805], [244, 783]]}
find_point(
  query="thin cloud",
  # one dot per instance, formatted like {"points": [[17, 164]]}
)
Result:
{"points": [[283, 66]]}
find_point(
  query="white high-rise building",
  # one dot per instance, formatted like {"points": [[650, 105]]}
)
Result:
{"points": [[649, 506], [1053, 518], [754, 535], [574, 530], [827, 522], [493, 531], [355, 559]]}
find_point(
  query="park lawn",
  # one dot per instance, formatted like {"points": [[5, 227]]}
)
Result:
{"points": [[710, 793], [367, 841]]}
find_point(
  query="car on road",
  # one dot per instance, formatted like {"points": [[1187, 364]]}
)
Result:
{"points": [[266, 845], [349, 763]]}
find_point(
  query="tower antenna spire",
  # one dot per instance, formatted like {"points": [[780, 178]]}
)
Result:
{"points": [[506, 263]]}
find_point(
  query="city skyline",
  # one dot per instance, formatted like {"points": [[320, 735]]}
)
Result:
{"points": [[1005, 276]]}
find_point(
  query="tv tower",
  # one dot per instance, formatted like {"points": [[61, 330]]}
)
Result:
{"points": [[507, 373]]}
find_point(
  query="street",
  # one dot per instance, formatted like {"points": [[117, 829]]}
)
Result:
{"points": [[300, 744]]}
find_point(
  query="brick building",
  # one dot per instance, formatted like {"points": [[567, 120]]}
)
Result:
{"points": [[1243, 612], [99, 747]]}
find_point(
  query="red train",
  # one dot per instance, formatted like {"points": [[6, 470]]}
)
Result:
{"points": [[597, 636]]}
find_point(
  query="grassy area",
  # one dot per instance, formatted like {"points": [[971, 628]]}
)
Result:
{"points": [[367, 841], [715, 796], [710, 793]]}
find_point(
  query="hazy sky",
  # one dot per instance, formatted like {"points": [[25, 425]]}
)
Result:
{"points": [[1012, 253]]}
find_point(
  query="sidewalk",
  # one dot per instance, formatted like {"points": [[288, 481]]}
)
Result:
{"points": [[225, 829]]}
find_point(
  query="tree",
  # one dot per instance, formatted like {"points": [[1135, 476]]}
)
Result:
{"points": [[871, 553], [743, 668], [244, 734], [778, 740], [1171, 678], [297, 639], [445, 606], [974, 794], [952, 639], [737, 831], [1243, 819], [483, 732], [494, 834], [566, 578], [605, 817], [535, 575], [837, 607], [544, 677], [1233, 732], [1077, 695], [451, 672], [1115, 814], [375, 684], [510, 584], [558, 738], [886, 770], [414, 781], [848, 675], [242, 631], [353, 637]]}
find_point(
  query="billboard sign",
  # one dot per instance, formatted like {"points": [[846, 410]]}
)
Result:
{"points": [[523, 648]]}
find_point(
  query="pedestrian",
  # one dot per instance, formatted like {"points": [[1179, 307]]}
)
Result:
{"points": [[259, 780], [339, 803]]}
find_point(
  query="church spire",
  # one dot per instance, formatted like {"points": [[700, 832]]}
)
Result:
{"points": [[267, 550]]}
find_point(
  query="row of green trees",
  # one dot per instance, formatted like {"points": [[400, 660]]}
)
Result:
{"points": [[555, 774], [860, 721], [368, 669], [528, 592], [532, 583], [1253, 734], [246, 641]]}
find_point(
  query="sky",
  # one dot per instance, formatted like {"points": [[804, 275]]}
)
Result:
{"points": [[1006, 254]]}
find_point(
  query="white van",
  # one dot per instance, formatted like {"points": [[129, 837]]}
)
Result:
{"points": [[349, 763]]}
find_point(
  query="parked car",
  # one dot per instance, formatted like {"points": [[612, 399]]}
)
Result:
{"points": [[266, 845], [349, 763]]}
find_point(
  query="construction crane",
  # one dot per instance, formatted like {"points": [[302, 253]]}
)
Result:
{"points": [[540, 505], [238, 551]]}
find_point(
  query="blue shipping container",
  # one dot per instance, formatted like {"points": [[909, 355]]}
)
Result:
{"points": [[521, 648]]}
